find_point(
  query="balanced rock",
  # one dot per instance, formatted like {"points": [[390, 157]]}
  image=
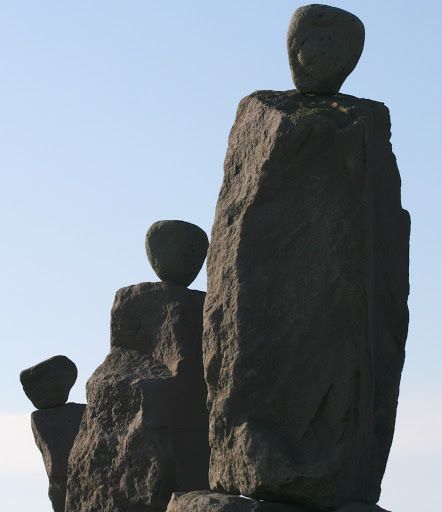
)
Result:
{"points": [[206, 501], [176, 250], [47, 384], [144, 434], [324, 45], [54, 433], [306, 314]]}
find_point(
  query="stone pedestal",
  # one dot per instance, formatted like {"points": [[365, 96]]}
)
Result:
{"points": [[306, 311], [54, 433], [144, 434], [206, 501]]}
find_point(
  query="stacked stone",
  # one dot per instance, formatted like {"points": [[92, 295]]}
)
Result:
{"points": [[306, 316], [145, 431], [55, 423], [305, 321]]}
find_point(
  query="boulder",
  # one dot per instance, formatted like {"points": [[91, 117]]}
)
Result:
{"points": [[206, 501], [145, 431], [54, 433], [176, 250], [47, 384], [324, 45], [306, 314]]}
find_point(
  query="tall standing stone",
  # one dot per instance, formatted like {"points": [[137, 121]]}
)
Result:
{"points": [[306, 311]]}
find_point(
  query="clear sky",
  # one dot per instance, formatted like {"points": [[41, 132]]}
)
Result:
{"points": [[115, 114]]}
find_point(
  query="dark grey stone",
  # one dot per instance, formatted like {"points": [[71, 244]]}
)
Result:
{"points": [[324, 45], [206, 501], [145, 431], [47, 384], [306, 312], [361, 507], [176, 250], [54, 433]]}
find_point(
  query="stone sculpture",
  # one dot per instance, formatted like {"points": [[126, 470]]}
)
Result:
{"points": [[306, 311], [55, 425], [145, 431], [305, 321]]}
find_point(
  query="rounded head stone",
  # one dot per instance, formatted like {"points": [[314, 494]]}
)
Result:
{"points": [[176, 250], [324, 45], [47, 384]]}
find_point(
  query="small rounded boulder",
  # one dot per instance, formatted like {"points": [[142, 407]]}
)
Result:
{"points": [[176, 250], [324, 45], [47, 384]]}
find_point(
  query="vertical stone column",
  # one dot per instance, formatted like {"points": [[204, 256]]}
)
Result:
{"points": [[306, 312]]}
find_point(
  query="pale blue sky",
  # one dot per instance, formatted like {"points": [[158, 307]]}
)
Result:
{"points": [[115, 114]]}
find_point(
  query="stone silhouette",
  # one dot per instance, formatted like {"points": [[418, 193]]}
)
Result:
{"points": [[47, 384], [145, 431], [324, 45], [176, 250], [54, 433]]}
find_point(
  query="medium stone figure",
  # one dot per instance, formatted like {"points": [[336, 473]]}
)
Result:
{"points": [[306, 316], [145, 431]]}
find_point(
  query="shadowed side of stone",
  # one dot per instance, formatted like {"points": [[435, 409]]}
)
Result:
{"points": [[204, 501], [54, 433], [176, 250], [47, 384], [145, 430], [306, 311]]}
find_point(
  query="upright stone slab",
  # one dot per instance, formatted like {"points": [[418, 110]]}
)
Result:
{"points": [[54, 433], [144, 434], [306, 311]]}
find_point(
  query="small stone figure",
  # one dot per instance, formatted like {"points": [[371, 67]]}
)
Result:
{"points": [[47, 384], [176, 250], [324, 45]]}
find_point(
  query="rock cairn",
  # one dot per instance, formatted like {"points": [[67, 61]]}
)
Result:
{"points": [[300, 338], [55, 424], [145, 430]]}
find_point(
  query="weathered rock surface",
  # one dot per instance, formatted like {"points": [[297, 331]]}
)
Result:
{"points": [[176, 250], [206, 501], [54, 433], [306, 311], [324, 45], [144, 434], [47, 384]]}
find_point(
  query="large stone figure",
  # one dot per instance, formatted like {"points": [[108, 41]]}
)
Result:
{"points": [[306, 313], [144, 433]]}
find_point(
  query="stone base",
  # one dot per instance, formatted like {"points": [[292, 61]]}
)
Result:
{"points": [[207, 501]]}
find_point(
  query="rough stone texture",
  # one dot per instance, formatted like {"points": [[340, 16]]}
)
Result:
{"points": [[176, 250], [54, 433], [144, 434], [206, 501], [324, 45], [306, 311], [47, 384]]}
